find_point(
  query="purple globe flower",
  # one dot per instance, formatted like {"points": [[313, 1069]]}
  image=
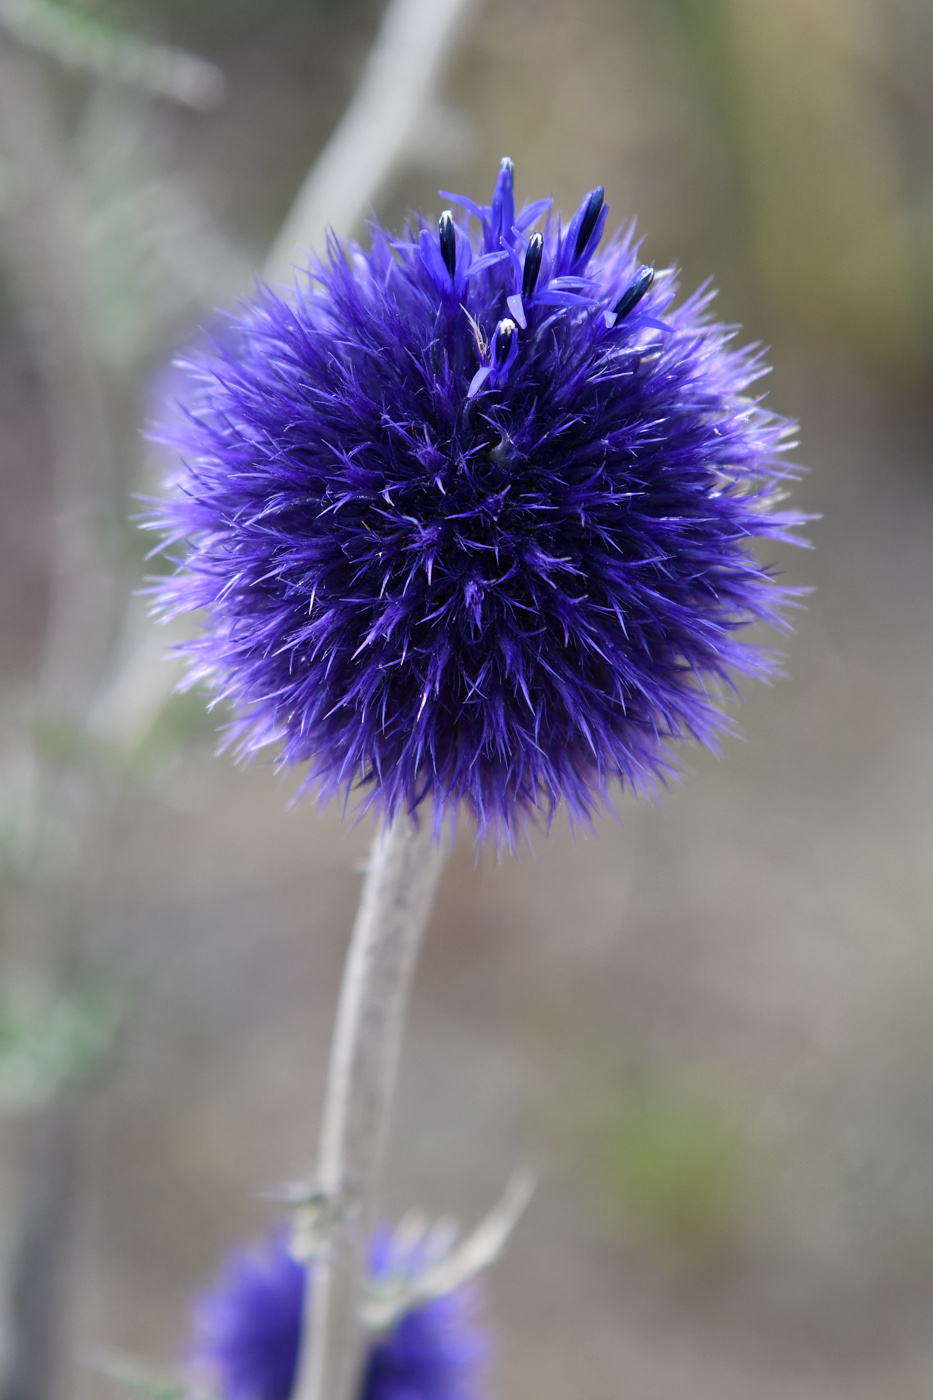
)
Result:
{"points": [[470, 516], [247, 1329]]}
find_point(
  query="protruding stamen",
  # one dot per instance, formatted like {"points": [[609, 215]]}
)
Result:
{"points": [[503, 203], [630, 298], [448, 237], [505, 331], [532, 264], [594, 204]]}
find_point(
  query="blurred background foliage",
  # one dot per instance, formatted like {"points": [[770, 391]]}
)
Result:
{"points": [[47, 1047], [790, 145], [711, 1026], [816, 109], [673, 1163]]}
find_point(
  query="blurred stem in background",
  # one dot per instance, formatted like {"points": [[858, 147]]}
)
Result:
{"points": [[46, 244], [46, 237], [101, 681]]}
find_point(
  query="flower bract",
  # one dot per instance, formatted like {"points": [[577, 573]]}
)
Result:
{"points": [[247, 1330], [471, 516]]}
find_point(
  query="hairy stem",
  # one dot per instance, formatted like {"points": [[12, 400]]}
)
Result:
{"points": [[400, 884]]}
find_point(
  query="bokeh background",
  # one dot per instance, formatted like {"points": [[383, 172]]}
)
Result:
{"points": [[709, 1025]]}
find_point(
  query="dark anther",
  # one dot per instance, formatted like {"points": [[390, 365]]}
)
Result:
{"points": [[504, 332], [630, 298], [448, 236], [594, 204], [532, 264]]}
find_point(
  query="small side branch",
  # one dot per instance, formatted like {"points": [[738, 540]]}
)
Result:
{"points": [[446, 1261]]}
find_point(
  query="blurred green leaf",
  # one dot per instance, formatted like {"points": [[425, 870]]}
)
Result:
{"points": [[156, 1386], [62, 742], [86, 41], [19, 830], [154, 254], [676, 1164], [48, 1045], [183, 720]]}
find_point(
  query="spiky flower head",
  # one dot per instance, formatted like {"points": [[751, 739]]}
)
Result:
{"points": [[470, 516], [247, 1331]]}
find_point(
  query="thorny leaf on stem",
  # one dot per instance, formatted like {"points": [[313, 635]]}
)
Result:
{"points": [[447, 1264]]}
